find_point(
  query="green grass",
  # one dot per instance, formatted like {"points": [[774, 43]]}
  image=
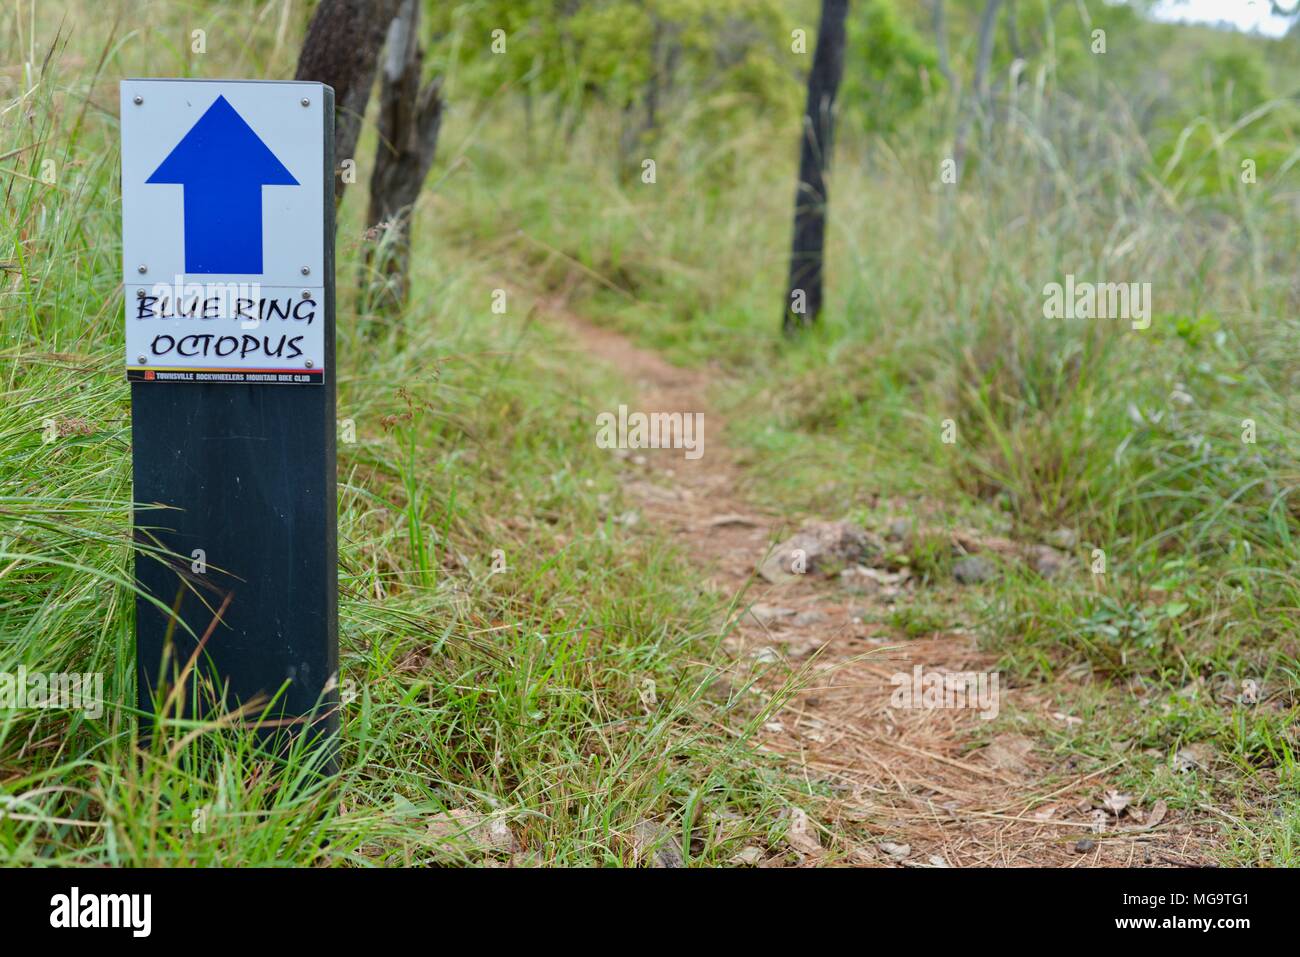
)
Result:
{"points": [[524, 695], [1134, 439]]}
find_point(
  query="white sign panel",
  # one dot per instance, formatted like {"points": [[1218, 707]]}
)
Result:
{"points": [[223, 231]]}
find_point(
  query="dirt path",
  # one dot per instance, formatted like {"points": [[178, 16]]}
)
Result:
{"points": [[911, 784]]}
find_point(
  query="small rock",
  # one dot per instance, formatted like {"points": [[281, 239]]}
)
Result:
{"points": [[801, 649], [818, 546], [1063, 538], [973, 569], [1047, 561], [806, 618], [655, 845], [862, 580], [899, 530], [1084, 846], [465, 830], [767, 615]]}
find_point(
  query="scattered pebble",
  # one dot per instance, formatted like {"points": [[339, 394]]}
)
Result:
{"points": [[656, 846], [899, 530], [1047, 561], [1063, 538], [973, 569]]}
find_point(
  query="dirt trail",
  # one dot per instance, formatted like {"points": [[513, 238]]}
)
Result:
{"points": [[910, 783]]}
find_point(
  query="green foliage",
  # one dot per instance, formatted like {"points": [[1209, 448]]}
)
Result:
{"points": [[891, 68], [623, 52], [519, 695], [516, 695]]}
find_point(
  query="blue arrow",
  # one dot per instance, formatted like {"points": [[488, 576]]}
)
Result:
{"points": [[223, 165]]}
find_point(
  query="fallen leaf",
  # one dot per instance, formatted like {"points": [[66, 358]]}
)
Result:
{"points": [[466, 830], [1198, 755], [1008, 752], [1156, 815], [897, 851], [648, 694], [749, 856], [1250, 691], [1116, 802], [801, 835]]}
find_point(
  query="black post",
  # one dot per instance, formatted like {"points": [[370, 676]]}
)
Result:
{"points": [[803, 302], [246, 474]]}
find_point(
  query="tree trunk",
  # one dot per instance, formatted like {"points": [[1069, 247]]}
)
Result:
{"points": [[984, 59], [410, 117], [1013, 32], [341, 49], [980, 86], [803, 301], [941, 40]]}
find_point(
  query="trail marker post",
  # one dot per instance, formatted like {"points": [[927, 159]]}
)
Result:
{"points": [[228, 271]]}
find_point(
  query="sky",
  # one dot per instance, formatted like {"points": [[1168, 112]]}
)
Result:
{"points": [[1244, 14]]}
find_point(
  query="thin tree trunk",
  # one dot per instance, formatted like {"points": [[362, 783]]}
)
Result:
{"points": [[988, 20], [803, 302], [341, 49], [941, 40], [1013, 31], [410, 117], [978, 103]]}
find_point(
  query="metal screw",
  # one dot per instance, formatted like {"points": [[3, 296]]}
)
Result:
{"points": [[139, 294], [306, 102], [306, 294], [306, 270], [309, 363], [142, 268], [137, 100], [142, 360]]}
